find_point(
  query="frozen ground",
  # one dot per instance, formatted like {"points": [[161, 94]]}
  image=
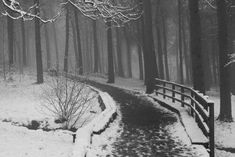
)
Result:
{"points": [[20, 104]]}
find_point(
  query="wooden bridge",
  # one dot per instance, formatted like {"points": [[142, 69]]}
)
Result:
{"points": [[201, 108]]}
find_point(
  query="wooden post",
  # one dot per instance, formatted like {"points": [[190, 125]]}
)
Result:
{"points": [[74, 137], [192, 104], [212, 129], [173, 93], [182, 96], [155, 87], [164, 90]]}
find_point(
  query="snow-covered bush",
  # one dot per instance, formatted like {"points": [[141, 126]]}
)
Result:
{"points": [[68, 100]]}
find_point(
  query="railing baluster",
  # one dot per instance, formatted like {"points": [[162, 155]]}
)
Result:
{"points": [[173, 93], [182, 97], [156, 88], [196, 101], [164, 90], [192, 104], [212, 130]]}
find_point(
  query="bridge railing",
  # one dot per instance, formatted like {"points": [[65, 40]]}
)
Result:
{"points": [[200, 107]]}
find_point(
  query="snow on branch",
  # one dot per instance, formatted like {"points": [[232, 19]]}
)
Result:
{"points": [[209, 2], [15, 11], [108, 10], [231, 59]]}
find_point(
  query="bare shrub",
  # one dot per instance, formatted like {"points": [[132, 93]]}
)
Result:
{"points": [[69, 100]]}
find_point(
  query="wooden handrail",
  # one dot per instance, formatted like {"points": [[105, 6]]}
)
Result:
{"points": [[182, 86], [202, 109]]}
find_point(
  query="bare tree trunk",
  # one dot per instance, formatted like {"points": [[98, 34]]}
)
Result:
{"points": [[56, 47], [111, 78], [180, 43], [75, 46], [119, 53], [195, 46], [47, 47], [214, 63], [79, 42], [129, 68], [96, 48], [3, 51], [140, 48], [66, 53], [140, 56], [149, 54], [10, 31], [20, 56], [187, 58], [38, 46], [165, 48], [225, 95], [23, 43], [160, 55]]}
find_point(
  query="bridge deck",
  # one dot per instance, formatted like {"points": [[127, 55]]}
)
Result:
{"points": [[194, 132]]}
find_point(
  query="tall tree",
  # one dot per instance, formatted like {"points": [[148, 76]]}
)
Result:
{"points": [[111, 78], [159, 40], [160, 53], [128, 44], [180, 42], [140, 50], [139, 42], [38, 45], [75, 45], [164, 31], [96, 48], [119, 53], [195, 46], [56, 46], [66, 53], [10, 31], [47, 47], [23, 43], [148, 46], [80, 62], [225, 95], [3, 49]]}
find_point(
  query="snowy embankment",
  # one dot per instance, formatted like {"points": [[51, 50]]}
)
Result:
{"points": [[97, 125], [20, 105]]}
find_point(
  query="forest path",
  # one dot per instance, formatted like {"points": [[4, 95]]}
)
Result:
{"points": [[145, 132]]}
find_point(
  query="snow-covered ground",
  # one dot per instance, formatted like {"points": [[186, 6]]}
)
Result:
{"points": [[20, 104], [22, 142], [224, 132]]}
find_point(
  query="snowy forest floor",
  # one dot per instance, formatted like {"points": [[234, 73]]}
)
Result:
{"points": [[224, 132], [20, 105]]}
